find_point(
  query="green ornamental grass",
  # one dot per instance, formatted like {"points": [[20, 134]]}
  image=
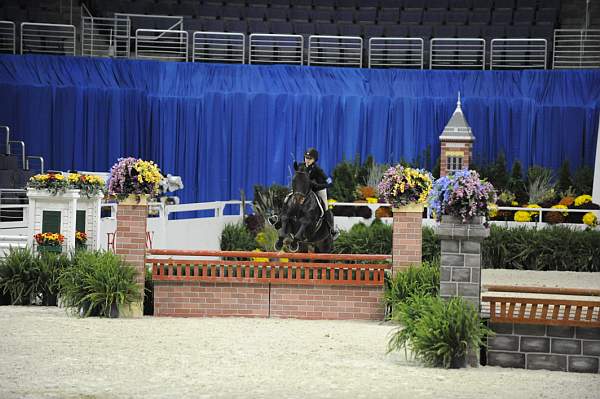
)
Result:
{"points": [[98, 283], [439, 333]]}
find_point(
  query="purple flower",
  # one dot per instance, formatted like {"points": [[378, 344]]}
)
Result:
{"points": [[462, 194]]}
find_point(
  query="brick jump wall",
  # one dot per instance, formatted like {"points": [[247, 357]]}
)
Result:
{"points": [[298, 288], [538, 346], [204, 299]]}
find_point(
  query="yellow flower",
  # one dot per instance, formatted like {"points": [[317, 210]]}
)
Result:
{"points": [[493, 210], [590, 219], [259, 259], [559, 206], [583, 199], [371, 200], [533, 206], [74, 177], [514, 203], [59, 176], [522, 216]]}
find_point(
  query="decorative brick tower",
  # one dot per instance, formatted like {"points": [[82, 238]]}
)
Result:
{"points": [[456, 143], [131, 245]]}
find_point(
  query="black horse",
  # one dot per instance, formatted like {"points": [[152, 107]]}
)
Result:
{"points": [[302, 225]]}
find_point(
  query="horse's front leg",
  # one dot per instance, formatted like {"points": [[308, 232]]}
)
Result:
{"points": [[304, 224], [282, 232]]}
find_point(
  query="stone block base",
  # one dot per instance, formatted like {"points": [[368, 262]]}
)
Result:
{"points": [[535, 347]]}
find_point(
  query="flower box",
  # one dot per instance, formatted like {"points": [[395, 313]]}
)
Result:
{"points": [[57, 249]]}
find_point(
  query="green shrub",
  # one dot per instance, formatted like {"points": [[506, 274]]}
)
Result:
{"points": [[431, 245], [344, 184], [20, 275], [98, 283], [551, 248], [51, 265], [516, 185], [236, 237], [440, 333], [583, 180], [362, 239], [564, 177], [27, 276], [421, 280]]}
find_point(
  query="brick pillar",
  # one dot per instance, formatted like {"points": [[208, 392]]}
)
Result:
{"points": [[130, 243], [460, 273], [407, 237]]}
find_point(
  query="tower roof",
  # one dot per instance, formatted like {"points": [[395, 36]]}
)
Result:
{"points": [[458, 128]]}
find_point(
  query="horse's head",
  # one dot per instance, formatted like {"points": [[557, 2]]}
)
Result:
{"points": [[301, 182]]}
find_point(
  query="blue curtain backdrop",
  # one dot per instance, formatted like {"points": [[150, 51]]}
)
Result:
{"points": [[227, 127]]}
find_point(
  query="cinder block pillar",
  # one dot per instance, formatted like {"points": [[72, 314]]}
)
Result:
{"points": [[130, 243], [460, 273], [407, 237]]}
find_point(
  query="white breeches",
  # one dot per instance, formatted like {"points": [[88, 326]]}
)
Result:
{"points": [[323, 195]]}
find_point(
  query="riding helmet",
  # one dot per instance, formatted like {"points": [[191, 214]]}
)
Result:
{"points": [[312, 153]]}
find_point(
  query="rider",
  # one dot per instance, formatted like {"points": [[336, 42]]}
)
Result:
{"points": [[319, 182]]}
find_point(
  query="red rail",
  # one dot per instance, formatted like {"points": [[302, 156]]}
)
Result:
{"points": [[281, 268], [270, 255]]}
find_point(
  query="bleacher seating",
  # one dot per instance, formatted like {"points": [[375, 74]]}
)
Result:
{"points": [[426, 19]]}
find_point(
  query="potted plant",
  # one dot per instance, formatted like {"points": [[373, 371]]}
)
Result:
{"points": [[80, 239], [49, 242], [405, 187], [133, 180], [462, 197]]}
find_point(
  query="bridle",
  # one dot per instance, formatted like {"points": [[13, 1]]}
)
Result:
{"points": [[298, 196]]}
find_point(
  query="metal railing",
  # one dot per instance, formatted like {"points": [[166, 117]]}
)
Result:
{"points": [[105, 37], [335, 51], [158, 44], [22, 145], [39, 38], [32, 157], [6, 130], [457, 53], [219, 47], [396, 52], [576, 48], [7, 37], [275, 49], [14, 206], [518, 53]]}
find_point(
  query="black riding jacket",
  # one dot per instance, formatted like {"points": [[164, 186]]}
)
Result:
{"points": [[318, 178]]}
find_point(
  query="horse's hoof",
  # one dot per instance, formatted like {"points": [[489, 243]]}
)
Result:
{"points": [[278, 245], [294, 246]]}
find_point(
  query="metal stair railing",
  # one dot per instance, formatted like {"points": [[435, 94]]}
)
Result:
{"points": [[7, 37]]}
